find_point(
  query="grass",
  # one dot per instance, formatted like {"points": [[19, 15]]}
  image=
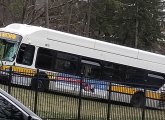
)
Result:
{"points": [[66, 108]]}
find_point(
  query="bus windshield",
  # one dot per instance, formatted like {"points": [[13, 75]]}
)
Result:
{"points": [[8, 45], [8, 50]]}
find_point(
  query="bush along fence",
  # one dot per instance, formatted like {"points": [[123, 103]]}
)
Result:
{"points": [[62, 96]]}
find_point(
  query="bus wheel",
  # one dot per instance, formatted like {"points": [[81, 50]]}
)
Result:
{"points": [[138, 99], [43, 82]]}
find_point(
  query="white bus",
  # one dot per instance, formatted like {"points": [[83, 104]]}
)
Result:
{"points": [[27, 47]]}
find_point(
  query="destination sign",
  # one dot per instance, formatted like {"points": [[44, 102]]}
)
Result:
{"points": [[9, 36]]}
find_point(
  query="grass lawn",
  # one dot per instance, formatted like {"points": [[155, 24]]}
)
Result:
{"points": [[66, 108]]}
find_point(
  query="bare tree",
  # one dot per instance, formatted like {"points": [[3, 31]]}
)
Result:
{"points": [[64, 15]]}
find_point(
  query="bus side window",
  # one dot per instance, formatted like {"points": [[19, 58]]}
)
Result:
{"points": [[114, 72], [44, 59], [67, 63], [90, 69], [155, 80], [108, 71], [25, 54]]}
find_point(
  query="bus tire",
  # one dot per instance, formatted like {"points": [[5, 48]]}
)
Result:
{"points": [[138, 99], [43, 82]]}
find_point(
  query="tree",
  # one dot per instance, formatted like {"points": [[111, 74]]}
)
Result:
{"points": [[134, 23], [149, 27], [121, 20]]}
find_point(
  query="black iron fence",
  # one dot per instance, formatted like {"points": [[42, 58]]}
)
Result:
{"points": [[62, 96]]}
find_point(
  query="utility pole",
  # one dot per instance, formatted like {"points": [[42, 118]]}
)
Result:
{"points": [[2, 14], [69, 17], [89, 17], [137, 25], [46, 14]]}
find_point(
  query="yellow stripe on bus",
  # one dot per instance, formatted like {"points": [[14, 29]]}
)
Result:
{"points": [[131, 91], [27, 71], [123, 89], [21, 70], [153, 95]]}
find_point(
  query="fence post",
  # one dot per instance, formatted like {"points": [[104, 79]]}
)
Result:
{"points": [[36, 91], [109, 101], [10, 79], [143, 108], [80, 98]]}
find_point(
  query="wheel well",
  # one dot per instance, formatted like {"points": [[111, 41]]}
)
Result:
{"points": [[40, 81], [138, 99], [139, 92]]}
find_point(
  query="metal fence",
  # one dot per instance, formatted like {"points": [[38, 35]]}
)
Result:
{"points": [[62, 96]]}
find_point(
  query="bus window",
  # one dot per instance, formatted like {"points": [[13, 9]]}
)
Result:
{"points": [[25, 54], [135, 76], [44, 59], [114, 72], [108, 70], [90, 69], [155, 81], [66, 63]]}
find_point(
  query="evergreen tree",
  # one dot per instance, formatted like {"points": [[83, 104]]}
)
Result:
{"points": [[124, 20]]}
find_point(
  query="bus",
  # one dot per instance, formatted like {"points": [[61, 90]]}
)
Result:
{"points": [[133, 76]]}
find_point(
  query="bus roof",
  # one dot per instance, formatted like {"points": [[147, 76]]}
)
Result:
{"points": [[88, 47]]}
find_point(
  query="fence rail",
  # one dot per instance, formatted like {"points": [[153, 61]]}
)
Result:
{"points": [[62, 96]]}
